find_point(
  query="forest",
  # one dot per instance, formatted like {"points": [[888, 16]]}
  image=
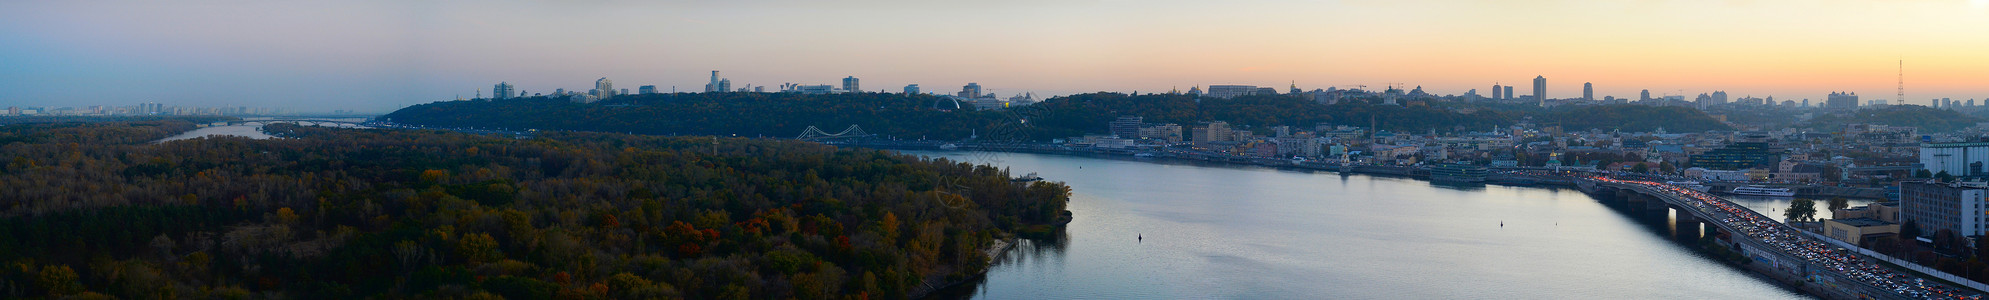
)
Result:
{"points": [[96, 210], [930, 117]]}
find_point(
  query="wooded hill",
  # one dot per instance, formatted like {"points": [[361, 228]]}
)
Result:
{"points": [[930, 117]]}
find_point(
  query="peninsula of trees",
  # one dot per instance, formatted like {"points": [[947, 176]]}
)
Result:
{"points": [[97, 209]]}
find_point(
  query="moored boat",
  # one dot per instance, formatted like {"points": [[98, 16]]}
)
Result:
{"points": [[1458, 173]]}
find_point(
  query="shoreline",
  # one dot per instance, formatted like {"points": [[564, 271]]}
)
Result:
{"points": [[995, 250], [1412, 172]]}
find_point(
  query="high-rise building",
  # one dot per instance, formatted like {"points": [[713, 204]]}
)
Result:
{"points": [[645, 90], [1498, 92], [1540, 89], [1588, 91], [1646, 96], [1127, 127], [849, 85], [606, 86], [501, 92], [713, 86], [1509, 93], [972, 90], [1217, 131], [1841, 100], [725, 85], [1936, 206], [912, 89]]}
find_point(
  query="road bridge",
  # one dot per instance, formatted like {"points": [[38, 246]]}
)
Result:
{"points": [[1778, 250]]}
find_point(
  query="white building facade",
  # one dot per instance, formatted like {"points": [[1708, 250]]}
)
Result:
{"points": [[1958, 159]]}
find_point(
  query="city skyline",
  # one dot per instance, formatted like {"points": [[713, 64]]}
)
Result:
{"points": [[378, 56]]}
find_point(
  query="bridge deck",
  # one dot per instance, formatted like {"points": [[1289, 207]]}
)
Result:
{"points": [[1792, 251]]}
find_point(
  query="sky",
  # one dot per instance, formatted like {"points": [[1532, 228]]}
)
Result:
{"points": [[377, 56]]}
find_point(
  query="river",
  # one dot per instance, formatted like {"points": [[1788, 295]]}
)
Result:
{"points": [[248, 131], [1240, 232]]}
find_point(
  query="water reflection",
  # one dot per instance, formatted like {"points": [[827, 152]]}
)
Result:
{"points": [[1461, 186], [1045, 252]]}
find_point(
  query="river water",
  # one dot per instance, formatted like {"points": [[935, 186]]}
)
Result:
{"points": [[248, 131], [1239, 232]]}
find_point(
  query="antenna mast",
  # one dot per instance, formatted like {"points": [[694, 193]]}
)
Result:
{"points": [[1902, 81]]}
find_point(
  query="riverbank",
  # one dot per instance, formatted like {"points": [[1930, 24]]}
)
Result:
{"points": [[995, 251], [1415, 172]]}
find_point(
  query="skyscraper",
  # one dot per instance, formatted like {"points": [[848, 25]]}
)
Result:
{"points": [[647, 89], [849, 85], [606, 86], [912, 89], [725, 85], [972, 90], [1645, 97], [501, 92], [1498, 92], [1540, 89], [713, 86], [1841, 100], [1588, 91], [1509, 93]]}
